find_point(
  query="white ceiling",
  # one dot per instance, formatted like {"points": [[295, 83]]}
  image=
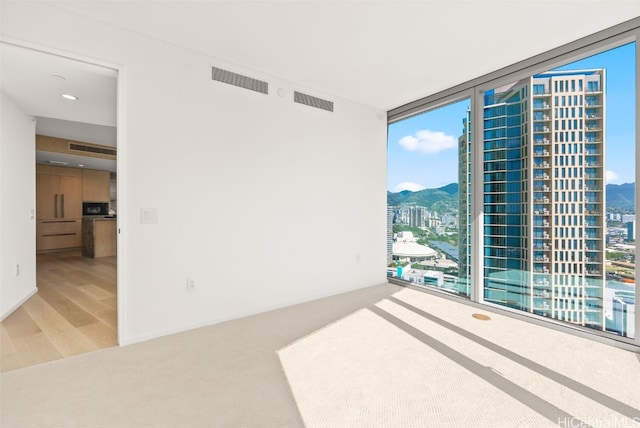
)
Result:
{"points": [[379, 53], [28, 77], [35, 82]]}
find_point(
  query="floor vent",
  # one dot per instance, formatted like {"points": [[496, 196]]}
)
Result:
{"points": [[311, 101], [75, 147], [235, 79]]}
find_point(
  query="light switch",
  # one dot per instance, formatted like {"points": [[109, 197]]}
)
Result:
{"points": [[149, 215]]}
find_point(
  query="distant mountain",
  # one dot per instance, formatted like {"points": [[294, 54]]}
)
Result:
{"points": [[452, 189], [621, 196], [443, 199]]}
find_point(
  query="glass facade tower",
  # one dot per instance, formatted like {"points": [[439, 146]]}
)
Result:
{"points": [[464, 201], [544, 195]]}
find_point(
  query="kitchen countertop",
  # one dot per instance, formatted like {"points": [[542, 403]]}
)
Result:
{"points": [[99, 217]]}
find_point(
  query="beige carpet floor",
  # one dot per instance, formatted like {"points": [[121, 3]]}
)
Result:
{"points": [[383, 356], [225, 375], [417, 360]]}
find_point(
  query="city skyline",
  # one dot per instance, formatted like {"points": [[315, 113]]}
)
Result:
{"points": [[550, 143], [423, 149]]}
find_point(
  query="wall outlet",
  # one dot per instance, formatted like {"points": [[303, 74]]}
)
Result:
{"points": [[191, 284]]}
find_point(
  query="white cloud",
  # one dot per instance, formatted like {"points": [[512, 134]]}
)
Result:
{"points": [[407, 185], [611, 177], [428, 142]]}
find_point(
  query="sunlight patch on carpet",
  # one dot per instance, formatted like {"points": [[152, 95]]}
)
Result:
{"points": [[364, 371]]}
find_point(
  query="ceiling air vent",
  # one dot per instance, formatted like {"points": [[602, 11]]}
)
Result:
{"points": [[231, 78], [311, 101], [92, 149]]}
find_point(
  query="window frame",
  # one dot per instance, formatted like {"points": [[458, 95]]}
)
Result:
{"points": [[594, 44]]}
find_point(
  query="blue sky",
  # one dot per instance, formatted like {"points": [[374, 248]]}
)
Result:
{"points": [[423, 150]]}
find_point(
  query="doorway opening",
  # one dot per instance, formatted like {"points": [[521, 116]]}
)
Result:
{"points": [[75, 307]]}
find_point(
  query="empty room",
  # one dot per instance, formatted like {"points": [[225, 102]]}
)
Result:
{"points": [[319, 214]]}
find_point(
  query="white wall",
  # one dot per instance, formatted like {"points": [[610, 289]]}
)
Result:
{"points": [[264, 202], [17, 187]]}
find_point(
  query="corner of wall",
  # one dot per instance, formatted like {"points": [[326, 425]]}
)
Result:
{"points": [[17, 227]]}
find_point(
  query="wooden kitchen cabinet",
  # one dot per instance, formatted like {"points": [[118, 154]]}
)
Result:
{"points": [[58, 234], [95, 185], [47, 194], [58, 207], [58, 192]]}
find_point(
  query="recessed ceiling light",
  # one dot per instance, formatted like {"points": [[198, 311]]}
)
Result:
{"points": [[69, 97], [81, 165], [58, 77]]}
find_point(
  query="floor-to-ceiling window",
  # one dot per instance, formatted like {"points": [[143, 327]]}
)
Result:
{"points": [[427, 197], [559, 201], [543, 167]]}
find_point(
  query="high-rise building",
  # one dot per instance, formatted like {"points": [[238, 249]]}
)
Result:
{"points": [[626, 218], [624, 314], [464, 200], [390, 214], [544, 195], [416, 216]]}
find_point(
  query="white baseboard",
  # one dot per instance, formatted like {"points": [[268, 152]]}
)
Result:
{"points": [[19, 303], [124, 341]]}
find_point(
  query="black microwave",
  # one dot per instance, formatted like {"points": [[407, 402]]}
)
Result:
{"points": [[95, 208]]}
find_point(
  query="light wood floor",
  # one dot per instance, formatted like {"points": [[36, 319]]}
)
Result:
{"points": [[73, 312]]}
